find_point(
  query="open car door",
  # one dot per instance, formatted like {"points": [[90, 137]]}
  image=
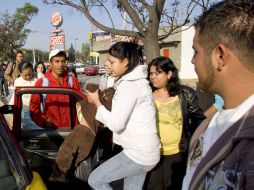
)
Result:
{"points": [[40, 146]]}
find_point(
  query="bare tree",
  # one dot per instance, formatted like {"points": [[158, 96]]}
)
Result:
{"points": [[146, 17]]}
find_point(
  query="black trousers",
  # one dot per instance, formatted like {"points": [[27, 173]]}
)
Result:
{"points": [[168, 174]]}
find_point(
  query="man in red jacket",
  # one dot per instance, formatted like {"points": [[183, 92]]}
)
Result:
{"points": [[56, 112]]}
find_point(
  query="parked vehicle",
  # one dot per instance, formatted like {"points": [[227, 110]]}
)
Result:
{"points": [[40, 146], [91, 71], [14, 171], [102, 71], [80, 69], [71, 65]]}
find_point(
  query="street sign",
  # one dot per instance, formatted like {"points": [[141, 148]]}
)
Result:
{"points": [[57, 42], [56, 30]]}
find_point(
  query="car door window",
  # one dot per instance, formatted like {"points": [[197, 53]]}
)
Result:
{"points": [[10, 177]]}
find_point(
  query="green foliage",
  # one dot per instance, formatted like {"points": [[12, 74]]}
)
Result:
{"points": [[39, 55], [85, 50], [71, 54], [12, 30]]}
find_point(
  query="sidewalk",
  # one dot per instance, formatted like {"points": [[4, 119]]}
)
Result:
{"points": [[8, 117]]}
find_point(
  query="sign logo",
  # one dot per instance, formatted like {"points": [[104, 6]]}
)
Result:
{"points": [[56, 19], [56, 42]]}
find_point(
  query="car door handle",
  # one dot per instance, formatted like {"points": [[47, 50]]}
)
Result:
{"points": [[33, 144]]}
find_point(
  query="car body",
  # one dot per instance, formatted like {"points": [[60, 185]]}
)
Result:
{"points": [[40, 146], [80, 69], [14, 171], [102, 71], [91, 71], [71, 65]]}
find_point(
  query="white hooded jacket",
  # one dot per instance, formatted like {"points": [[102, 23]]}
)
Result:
{"points": [[132, 118]]}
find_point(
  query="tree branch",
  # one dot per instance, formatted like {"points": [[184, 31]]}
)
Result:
{"points": [[109, 15], [133, 15], [85, 10], [147, 6]]}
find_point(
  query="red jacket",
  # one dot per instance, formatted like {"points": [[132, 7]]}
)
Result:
{"points": [[57, 107]]}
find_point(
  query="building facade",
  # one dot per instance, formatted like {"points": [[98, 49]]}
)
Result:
{"points": [[177, 47]]}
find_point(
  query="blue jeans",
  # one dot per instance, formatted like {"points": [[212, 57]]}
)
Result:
{"points": [[119, 167], [27, 122]]}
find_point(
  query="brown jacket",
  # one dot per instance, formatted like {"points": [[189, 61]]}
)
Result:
{"points": [[78, 144], [12, 72]]}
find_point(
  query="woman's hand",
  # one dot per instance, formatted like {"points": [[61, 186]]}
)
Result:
{"points": [[49, 125], [93, 97]]}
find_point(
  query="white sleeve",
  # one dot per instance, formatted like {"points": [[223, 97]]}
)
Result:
{"points": [[16, 83], [125, 100]]}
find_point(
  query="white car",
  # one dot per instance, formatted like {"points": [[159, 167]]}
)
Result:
{"points": [[80, 69], [102, 71]]}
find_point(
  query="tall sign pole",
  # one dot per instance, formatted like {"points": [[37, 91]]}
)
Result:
{"points": [[57, 39]]}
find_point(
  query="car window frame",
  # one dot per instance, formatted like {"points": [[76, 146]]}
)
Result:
{"points": [[14, 154], [19, 91]]}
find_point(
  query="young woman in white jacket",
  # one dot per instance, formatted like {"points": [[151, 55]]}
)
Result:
{"points": [[132, 121]]}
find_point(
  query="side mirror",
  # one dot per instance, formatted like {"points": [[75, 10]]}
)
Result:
{"points": [[6, 109]]}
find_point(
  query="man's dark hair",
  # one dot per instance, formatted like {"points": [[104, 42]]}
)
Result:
{"points": [[230, 22], [19, 52], [164, 64]]}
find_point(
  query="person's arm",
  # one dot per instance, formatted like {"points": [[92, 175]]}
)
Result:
{"points": [[123, 107], [194, 111], [211, 111], [7, 74], [35, 108], [218, 105], [76, 83], [103, 83]]}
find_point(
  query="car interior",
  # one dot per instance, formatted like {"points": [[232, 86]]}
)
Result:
{"points": [[40, 147]]}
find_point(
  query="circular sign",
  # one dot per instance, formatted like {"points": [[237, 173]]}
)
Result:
{"points": [[56, 19]]}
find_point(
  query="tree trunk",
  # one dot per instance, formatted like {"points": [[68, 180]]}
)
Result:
{"points": [[152, 48]]}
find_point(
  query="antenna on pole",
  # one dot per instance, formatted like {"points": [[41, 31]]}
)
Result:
{"points": [[124, 20]]}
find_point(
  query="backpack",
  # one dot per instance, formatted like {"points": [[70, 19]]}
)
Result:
{"points": [[1, 72], [45, 83]]}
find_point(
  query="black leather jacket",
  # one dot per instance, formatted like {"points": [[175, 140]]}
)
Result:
{"points": [[192, 114]]}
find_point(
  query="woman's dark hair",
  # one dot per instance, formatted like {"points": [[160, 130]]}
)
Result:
{"points": [[40, 63], [73, 71], [25, 65], [131, 51], [164, 64]]}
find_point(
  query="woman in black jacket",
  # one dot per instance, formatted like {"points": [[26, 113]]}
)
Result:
{"points": [[178, 115]]}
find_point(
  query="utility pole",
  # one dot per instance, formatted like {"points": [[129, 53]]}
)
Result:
{"points": [[75, 55], [124, 20], [33, 31]]}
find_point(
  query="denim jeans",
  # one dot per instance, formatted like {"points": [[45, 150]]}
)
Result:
{"points": [[119, 167], [27, 122]]}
